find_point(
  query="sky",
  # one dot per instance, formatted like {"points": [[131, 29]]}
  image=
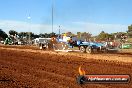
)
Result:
{"points": [[91, 16]]}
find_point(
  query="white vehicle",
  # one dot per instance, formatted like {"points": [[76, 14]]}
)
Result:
{"points": [[42, 42]]}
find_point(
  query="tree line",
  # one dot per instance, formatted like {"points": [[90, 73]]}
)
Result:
{"points": [[101, 36]]}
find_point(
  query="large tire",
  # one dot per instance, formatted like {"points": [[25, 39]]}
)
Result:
{"points": [[54, 47], [41, 46], [82, 49], [89, 50], [105, 51]]}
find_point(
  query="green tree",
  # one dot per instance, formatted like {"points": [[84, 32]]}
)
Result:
{"points": [[3, 35], [52, 35], [103, 36], [42, 35], [22, 34], [130, 28], [36, 36], [79, 35], [85, 36], [46, 35], [129, 32], [13, 32]]}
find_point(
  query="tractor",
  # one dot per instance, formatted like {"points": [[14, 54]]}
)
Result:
{"points": [[8, 41], [92, 47], [51, 44]]}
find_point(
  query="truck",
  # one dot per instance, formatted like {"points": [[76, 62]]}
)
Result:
{"points": [[96, 47], [92, 47]]}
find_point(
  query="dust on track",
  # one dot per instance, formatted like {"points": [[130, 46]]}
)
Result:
{"points": [[29, 67]]}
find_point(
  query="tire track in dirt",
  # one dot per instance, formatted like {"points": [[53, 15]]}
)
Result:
{"points": [[44, 75], [68, 63], [48, 75], [59, 70]]}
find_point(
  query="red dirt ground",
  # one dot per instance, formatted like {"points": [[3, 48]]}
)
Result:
{"points": [[28, 67]]}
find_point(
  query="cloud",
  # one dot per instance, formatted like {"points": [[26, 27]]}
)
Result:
{"points": [[95, 28], [74, 27], [19, 26]]}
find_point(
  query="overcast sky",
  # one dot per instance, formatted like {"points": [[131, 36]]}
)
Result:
{"points": [[91, 16]]}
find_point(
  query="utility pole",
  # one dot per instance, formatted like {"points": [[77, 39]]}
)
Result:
{"points": [[59, 31], [52, 15], [29, 18]]}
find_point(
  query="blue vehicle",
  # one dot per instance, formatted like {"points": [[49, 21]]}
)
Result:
{"points": [[91, 47]]}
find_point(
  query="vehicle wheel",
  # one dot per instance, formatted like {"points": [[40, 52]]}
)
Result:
{"points": [[104, 51], [55, 47], [43, 46], [89, 50], [107, 51], [82, 49]]}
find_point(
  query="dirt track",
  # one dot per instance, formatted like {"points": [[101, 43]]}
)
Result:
{"points": [[46, 69]]}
